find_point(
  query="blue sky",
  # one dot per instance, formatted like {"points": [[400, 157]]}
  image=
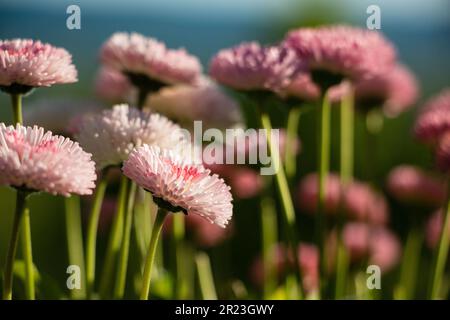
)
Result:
{"points": [[417, 11]]}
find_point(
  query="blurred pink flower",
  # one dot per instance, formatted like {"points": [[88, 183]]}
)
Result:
{"points": [[112, 134], [185, 186], [133, 53], [433, 229], [394, 91], [434, 120], [202, 102], [351, 52], [363, 203], [385, 249], [112, 86], [25, 64], [308, 256], [412, 185], [37, 160], [360, 201], [249, 66], [361, 240], [308, 193]]}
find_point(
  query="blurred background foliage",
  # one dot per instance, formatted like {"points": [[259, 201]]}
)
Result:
{"points": [[419, 29]]}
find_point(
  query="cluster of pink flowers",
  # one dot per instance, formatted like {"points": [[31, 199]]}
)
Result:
{"points": [[358, 200], [376, 243]]}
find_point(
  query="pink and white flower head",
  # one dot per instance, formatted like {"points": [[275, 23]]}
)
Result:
{"points": [[412, 185], [58, 115], [135, 54], [344, 51], [25, 64], [203, 102], [249, 66], [433, 228], [434, 120], [112, 134], [35, 160], [112, 86], [179, 185], [443, 153]]}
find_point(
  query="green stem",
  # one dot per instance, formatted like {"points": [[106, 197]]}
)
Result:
{"points": [[75, 241], [324, 164], [157, 226], [178, 236], [115, 239], [442, 250], [125, 248], [27, 253], [91, 238], [16, 100], [285, 196], [410, 263], [269, 232], [346, 174], [291, 135], [12, 248], [205, 277]]}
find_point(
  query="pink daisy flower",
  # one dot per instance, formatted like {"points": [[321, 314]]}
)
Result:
{"points": [[435, 118], [36, 160], [203, 102], [342, 51], [411, 185], [178, 185], [134, 54], [112, 86], [25, 64], [250, 66], [112, 134]]}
